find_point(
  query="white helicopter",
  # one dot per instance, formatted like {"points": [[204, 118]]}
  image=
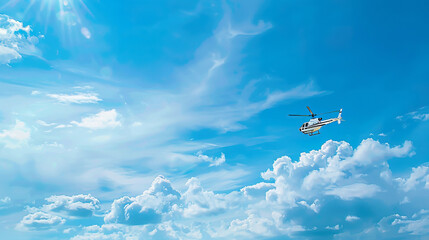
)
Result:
{"points": [[312, 127]]}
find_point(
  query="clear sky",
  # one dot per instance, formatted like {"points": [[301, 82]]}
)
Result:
{"points": [[169, 119]]}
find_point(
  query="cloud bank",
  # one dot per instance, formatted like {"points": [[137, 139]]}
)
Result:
{"points": [[325, 184]]}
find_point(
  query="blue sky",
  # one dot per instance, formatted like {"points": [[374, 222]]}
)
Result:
{"points": [[169, 119]]}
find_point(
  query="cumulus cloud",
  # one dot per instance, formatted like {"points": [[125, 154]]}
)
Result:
{"points": [[77, 205], [200, 202], [78, 98], [403, 226], [161, 203], [58, 209], [350, 218], [39, 221], [101, 120], [336, 227], [418, 175], [15, 136], [213, 161], [257, 190], [356, 190], [160, 199], [335, 169], [345, 180], [315, 206], [15, 39]]}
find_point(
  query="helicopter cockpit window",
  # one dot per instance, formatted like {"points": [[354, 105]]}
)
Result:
{"points": [[306, 124]]}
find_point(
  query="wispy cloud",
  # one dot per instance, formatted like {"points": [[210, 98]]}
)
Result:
{"points": [[101, 120], [213, 161], [45, 124], [76, 98], [421, 114]]}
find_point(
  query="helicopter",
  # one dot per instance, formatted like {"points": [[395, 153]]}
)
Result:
{"points": [[312, 127]]}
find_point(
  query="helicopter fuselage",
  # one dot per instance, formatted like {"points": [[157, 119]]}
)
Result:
{"points": [[312, 127]]}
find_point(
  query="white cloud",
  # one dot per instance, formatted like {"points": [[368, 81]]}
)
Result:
{"points": [[78, 98], [420, 114], [315, 206], [76, 206], [60, 207], [213, 161], [8, 54], [254, 224], [199, 202], [45, 124], [259, 225], [16, 136], [422, 117], [336, 227], [350, 218], [103, 119], [418, 175], [407, 227], [356, 190], [15, 39], [63, 126], [335, 169], [5, 202], [405, 200], [249, 29], [257, 190], [160, 199], [39, 221], [269, 209]]}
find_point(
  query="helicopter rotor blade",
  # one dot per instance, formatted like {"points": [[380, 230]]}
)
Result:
{"points": [[310, 111], [296, 115], [328, 112]]}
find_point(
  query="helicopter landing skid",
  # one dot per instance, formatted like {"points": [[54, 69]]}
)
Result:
{"points": [[314, 133]]}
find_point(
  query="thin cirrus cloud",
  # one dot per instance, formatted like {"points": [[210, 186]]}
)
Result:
{"points": [[78, 98], [420, 114]]}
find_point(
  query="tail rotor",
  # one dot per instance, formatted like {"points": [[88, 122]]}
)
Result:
{"points": [[339, 116]]}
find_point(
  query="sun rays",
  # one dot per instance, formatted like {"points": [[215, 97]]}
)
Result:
{"points": [[69, 14]]}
